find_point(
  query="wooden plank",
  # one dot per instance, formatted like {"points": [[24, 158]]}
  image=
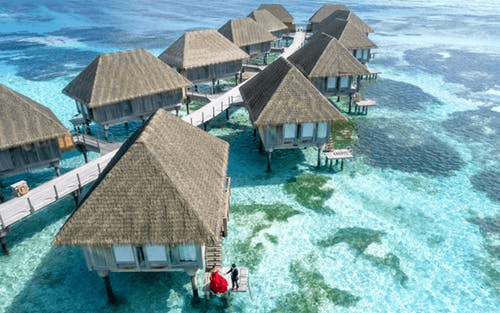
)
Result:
{"points": [[338, 154], [366, 103]]}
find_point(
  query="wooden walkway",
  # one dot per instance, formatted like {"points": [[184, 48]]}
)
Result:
{"points": [[298, 41], [242, 281], [338, 154], [91, 143], [18, 208]]}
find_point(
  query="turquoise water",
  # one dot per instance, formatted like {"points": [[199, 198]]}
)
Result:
{"points": [[409, 225]]}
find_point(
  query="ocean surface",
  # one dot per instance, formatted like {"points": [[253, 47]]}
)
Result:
{"points": [[410, 225]]}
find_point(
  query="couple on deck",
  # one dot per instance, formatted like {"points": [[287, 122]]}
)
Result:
{"points": [[218, 284]]}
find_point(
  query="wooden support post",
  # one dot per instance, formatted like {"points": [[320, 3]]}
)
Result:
{"points": [[350, 103], [342, 164], [213, 111], [255, 132], [79, 182], [99, 168], [3, 243], [75, 197], [227, 114], [126, 126], [105, 130], [236, 78], [177, 112], [109, 290], [319, 156], [55, 191], [202, 117], [58, 172], [269, 161], [32, 209], [205, 126], [213, 86], [195, 288], [187, 108]]}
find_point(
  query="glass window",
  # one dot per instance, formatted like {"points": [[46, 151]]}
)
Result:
{"points": [[124, 253], [344, 82], [322, 129], [331, 83], [289, 131], [187, 252], [359, 53], [307, 130], [156, 253], [365, 54]]}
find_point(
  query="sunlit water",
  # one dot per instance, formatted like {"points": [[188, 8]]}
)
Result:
{"points": [[409, 225]]}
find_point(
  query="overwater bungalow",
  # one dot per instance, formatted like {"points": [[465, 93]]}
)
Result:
{"points": [[339, 11], [160, 204], [31, 136], [324, 11], [281, 13], [204, 55], [287, 110], [270, 22], [351, 37], [124, 86], [329, 66], [253, 38]]}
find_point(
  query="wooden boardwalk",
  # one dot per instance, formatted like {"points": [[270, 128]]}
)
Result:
{"points": [[18, 208], [91, 143], [298, 41], [338, 154]]}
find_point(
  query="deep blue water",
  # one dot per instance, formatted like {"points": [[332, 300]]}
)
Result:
{"points": [[410, 225]]}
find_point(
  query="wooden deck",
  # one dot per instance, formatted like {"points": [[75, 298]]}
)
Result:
{"points": [[298, 41], [338, 154], [18, 208], [242, 282], [361, 106]]}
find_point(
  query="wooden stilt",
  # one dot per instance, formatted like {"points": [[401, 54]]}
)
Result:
{"points": [[84, 152], [177, 112], [342, 164], [255, 132], [58, 172], [187, 107], [236, 78], [126, 126], [227, 114], [269, 161], [205, 126], [5, 248], [193, 285], [319, 156], [75, 197], [350, 103], [109, 290], [105, 130], [213, 86]]}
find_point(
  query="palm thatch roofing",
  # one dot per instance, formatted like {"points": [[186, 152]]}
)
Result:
{"points": [[245, 32], [120, 76], [353, 38], [332, 25], [270, 22], [326, 10], [279, 11], [324, 56], [282, 94], [166, 185], [201, 48], [360, 24], [24, 121]]}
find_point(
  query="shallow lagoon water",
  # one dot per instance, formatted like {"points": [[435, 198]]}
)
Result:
{"points": [[405, 227]]}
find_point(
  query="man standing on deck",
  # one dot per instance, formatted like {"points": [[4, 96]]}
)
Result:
{"points": [[234, 276]]}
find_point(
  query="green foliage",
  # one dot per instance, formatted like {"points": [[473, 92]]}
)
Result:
{"points": [[273, 212], [343, 133], [314, 292], [357, 238], [309, 191]]}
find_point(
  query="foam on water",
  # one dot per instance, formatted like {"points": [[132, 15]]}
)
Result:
{"points": [[385, 234]]}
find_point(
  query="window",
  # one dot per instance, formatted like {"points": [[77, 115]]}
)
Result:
{"points": [[359, 54], [365, 54], [322, 130], [156, 253], [344, 82], [289, 131], [187, 252], [307, 130], [124, 255], [331, 83]]}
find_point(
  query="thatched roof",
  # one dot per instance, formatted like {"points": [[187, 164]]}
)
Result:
{"points": [[202, 48], [245, 32], [332, 25], [353, 38], [279, 11], [325, 10], [324, 56], [270, 22], [120, 76], [282, 94], [24, 121], [164, 186], [360, 24]]}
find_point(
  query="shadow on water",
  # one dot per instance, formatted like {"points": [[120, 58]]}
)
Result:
{"points": [[62, 283], [398, 145]]}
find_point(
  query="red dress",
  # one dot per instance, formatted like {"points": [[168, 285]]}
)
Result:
{"points": [[218, 283]]}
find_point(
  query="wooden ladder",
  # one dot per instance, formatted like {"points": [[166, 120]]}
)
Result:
{"points": [[213, 257]]}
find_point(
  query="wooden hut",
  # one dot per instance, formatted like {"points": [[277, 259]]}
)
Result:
{"points": [[204, 55], [287, 110], [159, 204], [323, 12], [31, 136], [253, 38], [329, 66], [281, 13], [270, 22], [351, 37], [123, 86]]}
